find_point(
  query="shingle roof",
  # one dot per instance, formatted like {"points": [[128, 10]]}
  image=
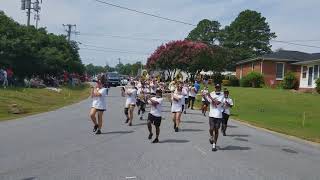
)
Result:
{"points": [[285, 55]]}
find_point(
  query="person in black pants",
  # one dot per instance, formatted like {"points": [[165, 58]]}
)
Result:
{"points": [[227, 105]]}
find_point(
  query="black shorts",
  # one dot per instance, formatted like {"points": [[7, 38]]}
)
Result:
{"points": [[215, 123], [186, 100], [100, 110], [154, 120], [192, 98], [126, 111], [205, 103], [225, 118]]}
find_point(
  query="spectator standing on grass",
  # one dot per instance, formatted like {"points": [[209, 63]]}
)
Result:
{"points": [[1, 76], [5, 78], [197, 86], [10, 76]]}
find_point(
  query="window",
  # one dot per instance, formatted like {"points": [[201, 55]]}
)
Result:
{"points": [[279, 71], [316, 72], [304, 71], [252, 66]]}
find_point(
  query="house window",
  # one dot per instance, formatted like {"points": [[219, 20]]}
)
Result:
{"points": [[316, 72], [304, 71], [279, 71], [252, 66]]}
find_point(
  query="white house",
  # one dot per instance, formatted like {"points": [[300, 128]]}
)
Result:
{"points": [[309, 73]]}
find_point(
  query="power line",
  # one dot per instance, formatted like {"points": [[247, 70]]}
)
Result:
{"points": [[112, 49], [296, 44], [291, 42], [144, 13]]}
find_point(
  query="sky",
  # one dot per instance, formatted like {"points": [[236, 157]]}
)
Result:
{"points": [[105, 27]]}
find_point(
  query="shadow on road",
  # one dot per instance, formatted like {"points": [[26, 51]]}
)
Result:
{"points": [[230, 126], [140, 124], [192, 122], [241, 139], [191, 130], [174, 141], [118, 132], [234, 148], [238, 135]]}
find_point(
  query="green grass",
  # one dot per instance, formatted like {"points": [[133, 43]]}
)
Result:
{"points": [[278, 110], [35, 101]]}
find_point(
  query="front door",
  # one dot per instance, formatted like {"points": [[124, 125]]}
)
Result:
{"points": [[310, 76]]}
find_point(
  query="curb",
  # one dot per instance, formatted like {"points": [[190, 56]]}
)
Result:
{"points": [[289, 137]]}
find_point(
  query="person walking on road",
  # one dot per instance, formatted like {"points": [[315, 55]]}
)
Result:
{"points": [[227, 105], [215, 115], [98, 94], [131, 101], [205, 103], [192, 96], [176, 107], [154, 116], [185, 93]]}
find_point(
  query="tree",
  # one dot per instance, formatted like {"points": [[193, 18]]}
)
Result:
{"points": [[189, 56], [206, 31], [94, 70], [30, 51], [248, 35]]}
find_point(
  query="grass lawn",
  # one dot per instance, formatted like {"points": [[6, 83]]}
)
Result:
{"points": [[278, 110], [35, 101]]}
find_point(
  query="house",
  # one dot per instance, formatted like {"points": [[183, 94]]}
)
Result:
{"points": [[275, 65], [309, 73]]}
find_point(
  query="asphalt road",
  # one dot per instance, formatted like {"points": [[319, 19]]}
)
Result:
{"points": [[59, 145]]}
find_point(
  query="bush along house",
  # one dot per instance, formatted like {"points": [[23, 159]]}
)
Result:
{"points": [[275, 65]]}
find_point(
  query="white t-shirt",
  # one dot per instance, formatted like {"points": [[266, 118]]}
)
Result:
{"points": [[131, 99], [192, 92], [185, 91], [216, 110], [226, 109], [156, 110], [99, 102], [177, 105], [204, 91]]}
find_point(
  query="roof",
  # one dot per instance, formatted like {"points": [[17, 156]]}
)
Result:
{"points": [[307, 62], [285, 55]]}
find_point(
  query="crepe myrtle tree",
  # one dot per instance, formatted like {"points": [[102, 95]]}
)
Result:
{"points": [[188, 56]]}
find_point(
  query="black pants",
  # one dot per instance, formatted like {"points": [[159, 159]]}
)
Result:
{"points": [[191, 102], [225, 119]]}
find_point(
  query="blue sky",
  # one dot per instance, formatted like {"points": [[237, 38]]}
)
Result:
{"points": [[290, 19]]}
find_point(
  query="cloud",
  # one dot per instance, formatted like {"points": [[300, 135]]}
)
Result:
{"points": [[289, 19]]}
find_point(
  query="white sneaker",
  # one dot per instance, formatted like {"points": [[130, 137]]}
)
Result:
{"points": [[214, 148]]}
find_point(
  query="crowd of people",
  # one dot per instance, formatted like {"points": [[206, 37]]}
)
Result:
{"points": [[181, 95], [8, 79]]}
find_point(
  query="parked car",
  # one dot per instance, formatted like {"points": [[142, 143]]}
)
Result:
{"points": [[113, 78]]}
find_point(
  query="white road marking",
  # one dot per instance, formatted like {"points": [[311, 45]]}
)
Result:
{"points": [[200, 150], [131, 177]]}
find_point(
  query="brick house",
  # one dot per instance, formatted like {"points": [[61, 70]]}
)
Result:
{"points": [[275, 65]]}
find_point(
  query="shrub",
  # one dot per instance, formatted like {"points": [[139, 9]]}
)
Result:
{"points": [[290, 81], [253, 79], [226, 82], [217, 78], [244, 82], [234, 81], [318, 85]]}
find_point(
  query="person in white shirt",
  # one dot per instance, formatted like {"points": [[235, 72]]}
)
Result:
{"points": [[185, 93], [192, 96], [141, 100], [131, 101], [176, 107], [205, 103], [154, 116], [215, 114], [98, 94], [227, 105]]}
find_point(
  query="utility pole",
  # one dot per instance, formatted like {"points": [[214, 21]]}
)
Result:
{"points": [[29, 5], [69, 31]]}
